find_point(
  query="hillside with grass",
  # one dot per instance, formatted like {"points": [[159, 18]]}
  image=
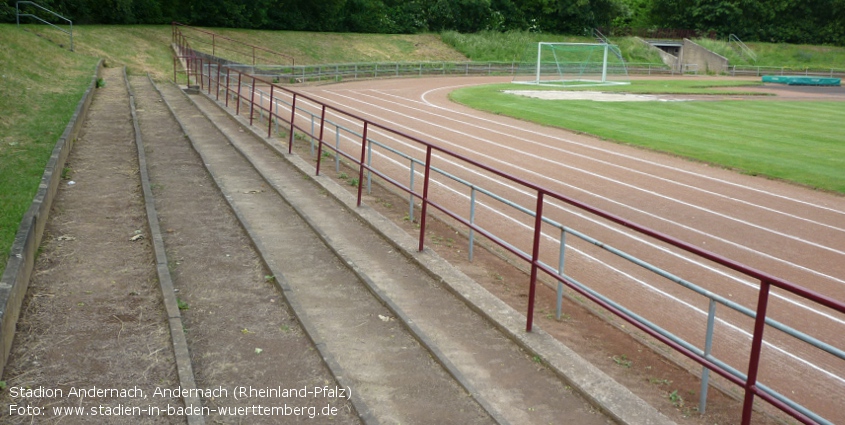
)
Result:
{"points": [[789, 56], [515, 46]]}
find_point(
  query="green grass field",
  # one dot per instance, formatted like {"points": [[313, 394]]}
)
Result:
{"points": [[795, 141]]}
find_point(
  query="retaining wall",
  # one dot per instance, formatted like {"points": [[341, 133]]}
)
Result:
{"points": [[706, 60]]}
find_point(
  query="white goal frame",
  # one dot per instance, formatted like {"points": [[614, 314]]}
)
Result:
{"points": [[581, 82]]}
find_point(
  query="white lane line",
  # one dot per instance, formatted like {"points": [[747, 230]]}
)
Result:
{"points": [[633, 158], [600, 161], [628, 185], [631, 235], [590, 257], [540, 176]]}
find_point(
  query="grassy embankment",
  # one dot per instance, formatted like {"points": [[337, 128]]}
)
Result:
{"points": [[795, 141], [793, 57], [41, 84], [522, 46]]}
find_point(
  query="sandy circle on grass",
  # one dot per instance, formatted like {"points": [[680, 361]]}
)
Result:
{"points": [[591, 95]]}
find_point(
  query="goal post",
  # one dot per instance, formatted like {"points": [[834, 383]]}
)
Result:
{"points": [[568, 64]]}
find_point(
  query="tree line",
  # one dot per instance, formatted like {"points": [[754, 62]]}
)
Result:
{"points": [[794, 21]]}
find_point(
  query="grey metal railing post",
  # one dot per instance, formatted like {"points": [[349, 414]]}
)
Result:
{"points": [[260, 104], [471, 222], [708, 346], [561, 261], [369, 171], [336, 148], [411, 197], [312, 135]]}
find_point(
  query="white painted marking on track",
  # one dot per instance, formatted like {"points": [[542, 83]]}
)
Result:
{"points": [[703, 233], [590, 257], [650, 192], [633, 158], [624, 233], [608, 163]]}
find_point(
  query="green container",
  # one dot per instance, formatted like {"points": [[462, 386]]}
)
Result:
{"points": [[797, 80]]}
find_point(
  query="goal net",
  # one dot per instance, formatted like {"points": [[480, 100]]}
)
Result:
{"points": [[572, 64]]}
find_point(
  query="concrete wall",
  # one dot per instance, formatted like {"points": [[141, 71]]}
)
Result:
{"points": [[15, 279], [706, 60], [670, 60]]}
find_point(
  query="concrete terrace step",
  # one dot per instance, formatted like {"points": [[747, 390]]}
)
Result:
{"points": [[231, 310], [483, 357], [393, 378]]}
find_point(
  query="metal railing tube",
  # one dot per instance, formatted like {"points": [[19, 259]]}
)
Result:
{"points": [[708, 346], [361, 165], [425, 200], [320, 144], [411, 195], [238, 105], [471, 247], [756, 348], [251, 100], [561, 262], [337, 148], [369, 168], [292, 127], [535, 256]]}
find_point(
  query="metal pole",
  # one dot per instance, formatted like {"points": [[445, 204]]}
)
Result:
{"points": [[238, 106], [361, 162], [218, 82], [320, 140], [411, 196], [270, 117], [604, 64], [426, 181], [252, 100], [369, 171], [561, 261], [708, 346], [292, 128], [209, 78], [535, 257], [312, 135], [337, 148], [754, 358], [228, 72], [471, 222]]}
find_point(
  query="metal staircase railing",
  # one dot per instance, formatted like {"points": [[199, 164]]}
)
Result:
{"points": [[38, 18], [602, 39], [741, 48]]}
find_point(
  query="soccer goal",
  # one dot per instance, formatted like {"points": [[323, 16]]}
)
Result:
{"points": [[573, 64]]}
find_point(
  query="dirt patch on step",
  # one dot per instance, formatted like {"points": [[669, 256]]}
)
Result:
{"points": [[93, 315]]}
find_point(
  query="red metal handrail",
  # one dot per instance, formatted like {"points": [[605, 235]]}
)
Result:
{"points": [[177, 33], [766, 280]]}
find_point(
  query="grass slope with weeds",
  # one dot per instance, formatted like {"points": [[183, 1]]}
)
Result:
{"points": [[518, 46], [793, 141], [40, 85], [789, 56], [308, 48]]}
